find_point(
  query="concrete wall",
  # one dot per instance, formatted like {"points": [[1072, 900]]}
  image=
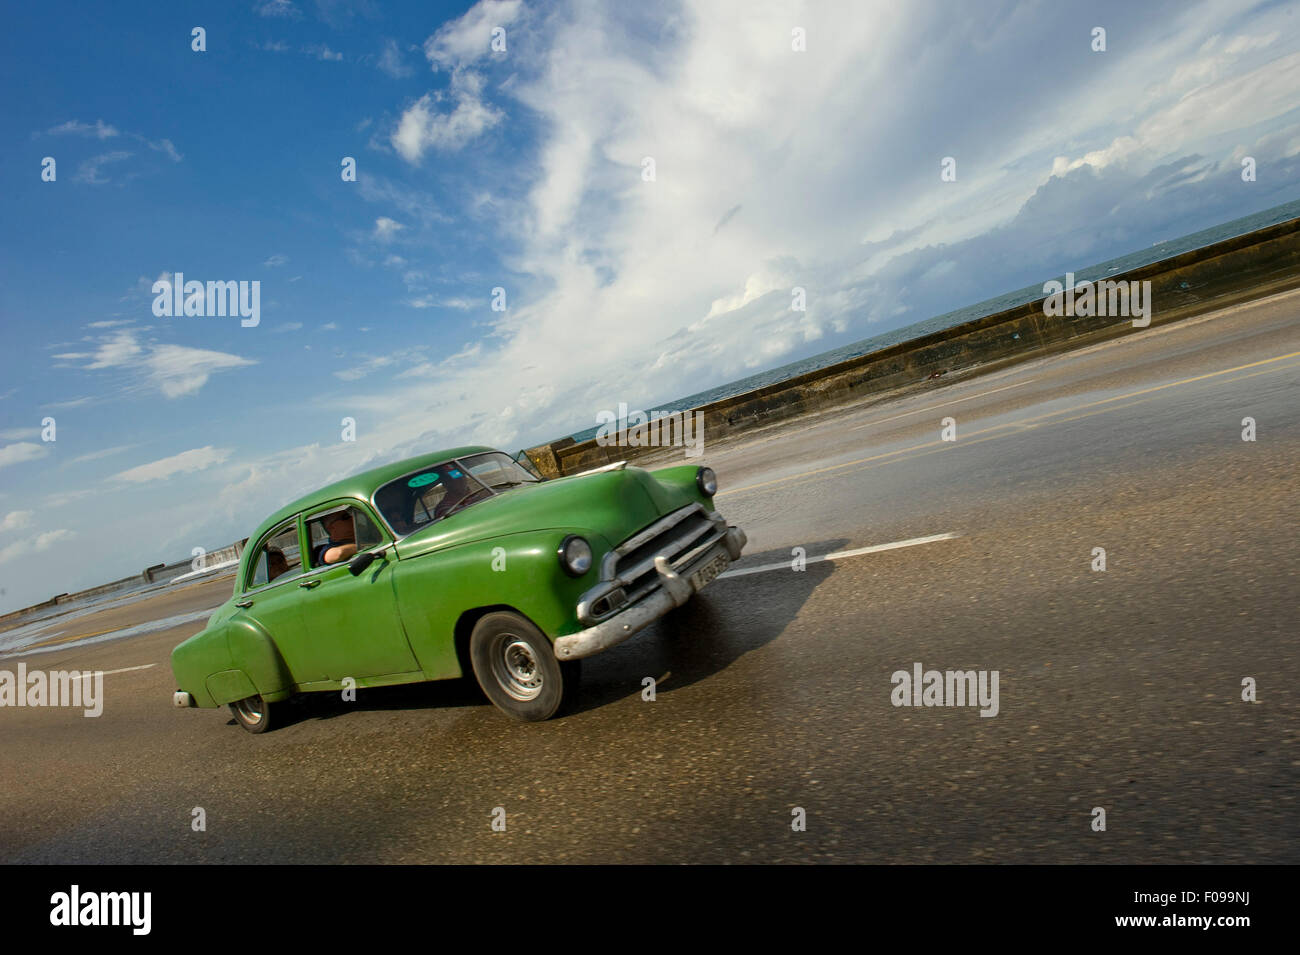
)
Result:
{"points": [[153, 574], [1195, 282], [211, 559]]}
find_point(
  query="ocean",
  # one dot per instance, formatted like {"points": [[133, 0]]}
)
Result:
{"points": [[1133, 260]]}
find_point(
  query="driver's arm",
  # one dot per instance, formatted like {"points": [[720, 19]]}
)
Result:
{"points": [[342, 552]]}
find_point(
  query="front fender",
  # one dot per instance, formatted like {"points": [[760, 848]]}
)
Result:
{"points": [[678, 488], [518, 570]]}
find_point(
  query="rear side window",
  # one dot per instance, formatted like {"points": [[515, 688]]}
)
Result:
{"points": [[280, 556]]}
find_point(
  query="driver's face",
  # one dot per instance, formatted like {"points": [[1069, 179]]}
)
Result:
{"points": [[339, 526]]}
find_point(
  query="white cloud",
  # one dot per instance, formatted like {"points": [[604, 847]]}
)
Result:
{"points": [[34, 545], [423, 127], [282, 9], [165, 146], [370, 365], [178, 370], [414, 203], [172, 370], [101, 453], [89, 171], [196, 459], [323, 53], [434, 301], [1244, 44], [1206, 110], [15, 521], [71, 402], [21, 452], [469, 38], [392, 62], [386, 229], [276, 261], [99, 129]]}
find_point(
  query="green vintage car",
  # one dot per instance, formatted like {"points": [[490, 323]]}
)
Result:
{"points": [[458, 560]]}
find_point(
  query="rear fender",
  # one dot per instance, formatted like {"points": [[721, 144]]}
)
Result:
{"points": [[253, 653]]}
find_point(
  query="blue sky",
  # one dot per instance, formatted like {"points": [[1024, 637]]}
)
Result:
{"points": [[522, 169]]}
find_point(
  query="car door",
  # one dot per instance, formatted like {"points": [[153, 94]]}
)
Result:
{"points": [[353, 620], [274, 600]]}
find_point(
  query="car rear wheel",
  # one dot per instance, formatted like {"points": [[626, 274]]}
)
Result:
{"points": [[253, 714], [516, 667]]}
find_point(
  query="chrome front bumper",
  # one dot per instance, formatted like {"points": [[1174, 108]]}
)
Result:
{"points": [[676, 587]]}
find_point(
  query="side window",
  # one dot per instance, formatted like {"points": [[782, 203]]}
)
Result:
{"points": [[279, 557], [338, 534], [525, 462]]}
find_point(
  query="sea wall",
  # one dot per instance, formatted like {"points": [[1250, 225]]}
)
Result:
{"points": [[1226, 273], [154, 574]]}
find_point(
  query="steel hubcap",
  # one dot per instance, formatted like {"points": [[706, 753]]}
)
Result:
{"points": [[250, 709], [516, 669]]}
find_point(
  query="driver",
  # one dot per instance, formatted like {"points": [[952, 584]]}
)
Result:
{"points": [[342, 543], [458, 488]]}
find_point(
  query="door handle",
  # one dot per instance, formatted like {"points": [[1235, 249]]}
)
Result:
{"points": [[309, 584], [243, 603]]}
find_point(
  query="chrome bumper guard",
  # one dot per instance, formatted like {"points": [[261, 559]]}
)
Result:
{"points": [[674, 589]]}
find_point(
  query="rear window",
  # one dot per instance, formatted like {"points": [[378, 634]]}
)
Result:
{"points": [[280, 556]]}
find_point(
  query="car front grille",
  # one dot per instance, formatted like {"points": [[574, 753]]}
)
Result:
{"points": [[628, 571]]}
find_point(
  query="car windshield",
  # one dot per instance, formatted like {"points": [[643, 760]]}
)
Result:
{"points": [[430, 494]]}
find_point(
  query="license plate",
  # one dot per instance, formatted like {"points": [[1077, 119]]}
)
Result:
{"points": [[709, 571]]}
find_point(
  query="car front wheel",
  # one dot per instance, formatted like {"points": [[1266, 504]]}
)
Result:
{"points": [[253, 714], [516, 667]]}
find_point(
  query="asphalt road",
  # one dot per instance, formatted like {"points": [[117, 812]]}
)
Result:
{"points": [[1118, 689]]}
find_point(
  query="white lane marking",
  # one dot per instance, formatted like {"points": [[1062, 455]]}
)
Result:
{"points": [[841, 554], [200, 573], [87, 676], [945, 404]]}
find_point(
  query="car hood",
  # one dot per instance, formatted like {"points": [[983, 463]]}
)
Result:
{"points": [[611, 504]]}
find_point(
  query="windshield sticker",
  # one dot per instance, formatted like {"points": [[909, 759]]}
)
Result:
{"points": [[420, 480]]}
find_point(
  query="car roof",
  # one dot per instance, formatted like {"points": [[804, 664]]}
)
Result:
{"points": [[361, 486]]}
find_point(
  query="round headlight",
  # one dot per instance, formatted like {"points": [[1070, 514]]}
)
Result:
{"points": [[575, 555], [707, 481]]}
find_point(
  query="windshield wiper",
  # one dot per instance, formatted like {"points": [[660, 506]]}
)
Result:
{"points": [[463, 502]]}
